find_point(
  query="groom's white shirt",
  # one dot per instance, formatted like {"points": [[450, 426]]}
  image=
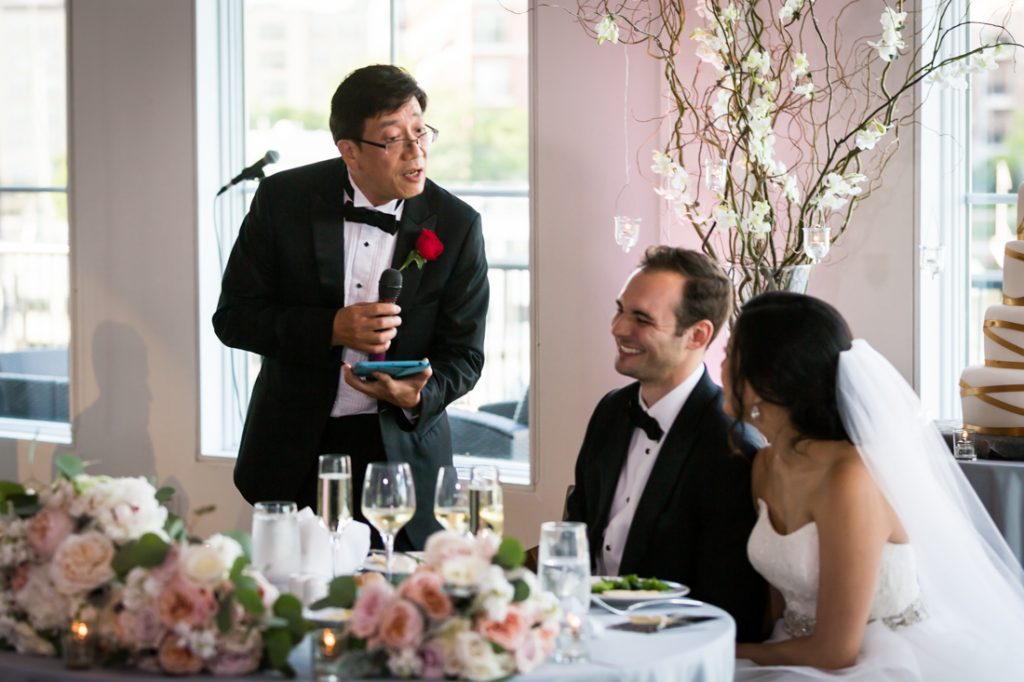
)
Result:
{"points": [[643, 453]]}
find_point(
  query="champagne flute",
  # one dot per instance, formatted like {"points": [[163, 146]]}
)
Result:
{"points": [[389, 502], [486, 510], [334, 498], [451, 499]]}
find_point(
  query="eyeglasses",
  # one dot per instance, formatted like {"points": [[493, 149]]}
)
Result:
{"points": [[423, 140]]}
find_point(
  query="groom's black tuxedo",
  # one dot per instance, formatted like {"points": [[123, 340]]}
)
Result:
{"points": [[695, 514], [282, 286]]}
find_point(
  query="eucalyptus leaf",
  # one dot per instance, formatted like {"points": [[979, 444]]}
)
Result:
{"points": [[510, 554], [226, 614], [69, 466], [148, 551], [250, 600], [522, 591], [278, 645], [164, 494], [237, 568]]}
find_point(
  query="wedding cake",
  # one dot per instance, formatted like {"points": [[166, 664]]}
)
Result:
{"points": [[992, 395]]}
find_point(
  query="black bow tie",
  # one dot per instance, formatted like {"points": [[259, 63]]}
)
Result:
{"points": [[642, 420], [368, 216]]}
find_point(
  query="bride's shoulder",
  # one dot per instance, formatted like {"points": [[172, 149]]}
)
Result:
{"points": [[846, 476]]}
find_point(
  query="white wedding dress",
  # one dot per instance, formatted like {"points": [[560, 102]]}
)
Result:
{"points": [[948, 606]]}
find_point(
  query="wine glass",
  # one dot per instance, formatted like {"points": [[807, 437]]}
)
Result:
{"points": [[486, 510], [451, 499], [334, 498], [564, 562], [389, 502]]}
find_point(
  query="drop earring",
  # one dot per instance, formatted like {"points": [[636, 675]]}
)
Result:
{"points": [[755, 413]]}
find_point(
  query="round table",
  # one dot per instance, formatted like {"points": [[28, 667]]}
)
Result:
{"points": [[700, 652]]}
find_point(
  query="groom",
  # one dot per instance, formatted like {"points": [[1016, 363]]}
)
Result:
{"points": [[658, 483]]}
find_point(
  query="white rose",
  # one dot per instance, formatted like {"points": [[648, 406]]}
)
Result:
{"points": [[464, 571], [405, 664], [82, 563], [227, 547], [495, 593], [125, 508], [476, 656], [203, 565]]}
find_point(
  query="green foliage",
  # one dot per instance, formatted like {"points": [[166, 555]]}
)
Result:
{"points": [[278, 645], [69, 466], [247, 592], [226, 613], [341, 594], [164, 494], [510, 554], [286, 628], [148, 551], [15, 499], [522, 590], [175, 528]]}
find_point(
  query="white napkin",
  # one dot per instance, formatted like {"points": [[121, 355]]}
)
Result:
{"points": [[350, 550]]}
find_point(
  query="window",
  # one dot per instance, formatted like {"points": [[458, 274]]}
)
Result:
{"points": [[34, 285], [472, 59], [972, 163]]}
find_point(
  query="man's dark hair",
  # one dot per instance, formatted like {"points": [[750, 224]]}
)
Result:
{"points": [[707, 291], [369, 91]]}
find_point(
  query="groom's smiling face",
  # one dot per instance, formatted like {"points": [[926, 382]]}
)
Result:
{"points": [[651, 347]]}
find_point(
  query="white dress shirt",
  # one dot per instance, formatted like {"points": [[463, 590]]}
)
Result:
{"points": [[642, 454], [369, 251]]}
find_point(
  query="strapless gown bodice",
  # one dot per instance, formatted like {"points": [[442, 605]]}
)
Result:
{"points": [[790, 563]]}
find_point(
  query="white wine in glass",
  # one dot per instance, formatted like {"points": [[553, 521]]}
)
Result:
{"points": [[389, 502], [334, 497], [486, 509], [451, 499]]}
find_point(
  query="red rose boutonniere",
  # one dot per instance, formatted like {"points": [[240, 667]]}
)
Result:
{"points": [[428, 248]]}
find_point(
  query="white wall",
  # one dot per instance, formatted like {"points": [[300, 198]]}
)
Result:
{"points": [[132, 177]]}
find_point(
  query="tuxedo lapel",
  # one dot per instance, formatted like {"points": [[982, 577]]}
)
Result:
{"points": [[614, 456], [329, 235], [416, 216], [668, 471]]}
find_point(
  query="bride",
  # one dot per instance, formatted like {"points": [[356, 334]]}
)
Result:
{"points": [[887, 565]]}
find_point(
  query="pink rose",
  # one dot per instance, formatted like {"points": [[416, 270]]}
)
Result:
{"points": [[177, 660], [531, 652], [82, 563], [426, 589], [373, 597], [508, 633], [138, 629], [47, 529], [432, 654], [401, 625], [183, 602], [20, 577], [445, 545]]}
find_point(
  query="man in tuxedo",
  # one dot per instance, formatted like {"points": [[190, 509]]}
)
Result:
{"points": [[301, 289], [658, 480]]}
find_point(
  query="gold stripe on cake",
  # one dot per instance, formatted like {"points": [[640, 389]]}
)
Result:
{"points": [[1013, 301], [1010, 253], [996, 430], [1008, 345], [982, 394]]}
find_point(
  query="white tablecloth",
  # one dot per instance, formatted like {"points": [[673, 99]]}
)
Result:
{"points": [[703, 652]]}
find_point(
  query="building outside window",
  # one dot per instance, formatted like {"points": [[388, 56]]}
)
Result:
{"points": [[34, 281]]}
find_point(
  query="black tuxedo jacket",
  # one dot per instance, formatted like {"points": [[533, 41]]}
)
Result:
{"points": [[282, 286], [695, 514]]}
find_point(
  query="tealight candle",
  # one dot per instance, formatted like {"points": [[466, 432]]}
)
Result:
{"points": [[963, 446], [78, 651], [571, 648], [327, 650]]}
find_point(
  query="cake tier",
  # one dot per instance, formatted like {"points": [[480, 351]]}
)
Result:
{"points": [[993, 399], [1004, 336], [1013, 271]]}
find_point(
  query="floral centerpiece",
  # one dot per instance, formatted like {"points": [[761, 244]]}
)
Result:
{"points": [[787, 126], [470, 611], [105, 552]]}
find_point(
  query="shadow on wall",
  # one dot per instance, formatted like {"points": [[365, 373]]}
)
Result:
{"points": [[113, 432]]}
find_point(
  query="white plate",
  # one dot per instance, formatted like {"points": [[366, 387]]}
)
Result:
{"points": [[623, 598]]}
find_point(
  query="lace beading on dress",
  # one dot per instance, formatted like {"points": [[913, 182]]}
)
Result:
{"points": [[790, 563]]}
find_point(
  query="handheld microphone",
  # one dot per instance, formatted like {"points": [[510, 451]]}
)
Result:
{"points": [[388, 289], [253, 172]]}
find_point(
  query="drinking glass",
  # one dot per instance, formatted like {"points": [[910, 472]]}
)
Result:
{"points": [[276, 550], [564, 563], [486, 510], [389, 502], [451, 499], [334, 498]]}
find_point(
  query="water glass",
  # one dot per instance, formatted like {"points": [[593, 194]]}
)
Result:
{"points": [[334, 498], [565, 572], [276, 548], [451, 499], [389, 502], [486, 508]]}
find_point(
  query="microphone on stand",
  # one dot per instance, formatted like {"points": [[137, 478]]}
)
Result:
{"points": [[388, 288], [253, 172]]}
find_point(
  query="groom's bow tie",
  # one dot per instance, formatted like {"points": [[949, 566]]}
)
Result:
{"points": [[642, 420], [368, 216]]}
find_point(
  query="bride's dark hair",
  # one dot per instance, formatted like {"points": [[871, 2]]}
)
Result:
{"points": [[786, 347]]}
